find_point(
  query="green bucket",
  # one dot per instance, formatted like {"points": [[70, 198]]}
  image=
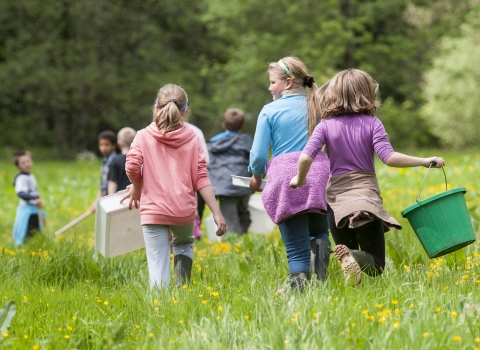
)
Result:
{"points": [[441, 222]]}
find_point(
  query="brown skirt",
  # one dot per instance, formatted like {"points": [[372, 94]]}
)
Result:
{"points": [[355, 199]]}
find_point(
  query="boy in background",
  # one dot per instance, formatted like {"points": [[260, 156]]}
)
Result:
{"points": [[229, 155], [107, 142], [117, 177], [30, 204]]}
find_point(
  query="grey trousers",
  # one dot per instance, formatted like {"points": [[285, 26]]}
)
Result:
{"points": [[236, 214], [157, 244]]}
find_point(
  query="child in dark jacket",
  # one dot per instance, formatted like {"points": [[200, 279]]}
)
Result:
{"points": [[229, 155]]}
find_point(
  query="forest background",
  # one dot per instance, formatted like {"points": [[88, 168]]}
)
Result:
{"points": [[70, 69]]}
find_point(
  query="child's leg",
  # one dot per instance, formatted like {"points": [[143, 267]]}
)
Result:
{"points": [[243, 212], [371, 238], [158, 254], [228, 208], [345, 236], [183, 252], [320, 247]]}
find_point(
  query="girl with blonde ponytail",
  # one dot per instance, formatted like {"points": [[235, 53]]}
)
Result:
{"points": [[285, 125], [166, 165]]}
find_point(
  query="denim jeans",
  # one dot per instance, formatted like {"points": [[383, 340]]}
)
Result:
{"points": [[297, 233]]}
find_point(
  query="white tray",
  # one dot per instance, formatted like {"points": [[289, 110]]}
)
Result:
{"points": [[242, 181], [117, 229]]}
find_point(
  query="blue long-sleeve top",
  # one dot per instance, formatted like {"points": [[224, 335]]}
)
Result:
{"points": [[282, 124]]}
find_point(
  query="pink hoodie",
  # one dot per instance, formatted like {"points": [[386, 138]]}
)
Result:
{"points": [[171, 168]]}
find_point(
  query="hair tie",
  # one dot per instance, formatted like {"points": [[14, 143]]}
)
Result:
{"points": [[172, 100], [308, 81], [285, 69]]}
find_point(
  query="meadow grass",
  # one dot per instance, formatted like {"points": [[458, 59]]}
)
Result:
{"points": [[68, 296]]}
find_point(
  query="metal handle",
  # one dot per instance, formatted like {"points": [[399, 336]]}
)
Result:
{"points": [[421, 188]]}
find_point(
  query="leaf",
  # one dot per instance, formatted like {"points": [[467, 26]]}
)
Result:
{"points": [[244, 267], [6, 315]]}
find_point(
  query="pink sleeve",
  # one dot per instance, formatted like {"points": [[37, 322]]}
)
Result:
{"points": [[133, 165], [202, 174], [316, 142], [382, 146]]}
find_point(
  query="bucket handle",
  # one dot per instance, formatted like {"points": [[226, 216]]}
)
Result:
{"points": [[421, 188]]}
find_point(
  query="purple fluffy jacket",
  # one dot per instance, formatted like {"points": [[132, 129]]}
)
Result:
{"points": [[282, 202]]}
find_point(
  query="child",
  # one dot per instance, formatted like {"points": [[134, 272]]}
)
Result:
{"points": [[107, 141], [229, 153], [117, 177], [27, 219], [166, 166], [300, 215], [346, 105]]}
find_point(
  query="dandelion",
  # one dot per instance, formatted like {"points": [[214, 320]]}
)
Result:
{"points": [[105, 302], [453, 314], [365, 312], [150, 335], [4, 335], [315, 315], [155, 302], [59, 329], [208, 288], [379, 306], [395, 302], [407, 269], [156, 309], [396, 324], [137, 326], [457, 338], [66, 336], [425, 334], [445, 288], [247, 317], [181, 321], [36, 347], [74, 317], [184, 286], [335, 300], [477, 340], [437, 310], [175, 301], [215, 294], [220, 308], [286, 341], [69, 328], [25, 336], [200, 295], [204, 302]]}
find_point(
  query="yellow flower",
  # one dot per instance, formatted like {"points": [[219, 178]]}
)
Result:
{"points": [[220, 308], [25, 298], [105, 302], [365, 312], [437, 310], [204, 302], [137, 326], [25, 336], [395, 302], [66, 336], [215, 294], [69, 328], [155, 302], [74, 317], [315, 315], [286, 341], [477, 340], [181, 321], [457, 338], [445, 288], [425, 334], [379, 306], [150, 335], [5, 335], [208, 288], [36, 347], [184, 286], [59, 329], [453, 314], [396, 324], [247, 317]]}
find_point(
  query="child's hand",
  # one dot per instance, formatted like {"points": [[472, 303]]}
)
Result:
{"points": [[439, 162], [255, 183], [295, 182], [134, 194], [221, 225], [38, 203]]}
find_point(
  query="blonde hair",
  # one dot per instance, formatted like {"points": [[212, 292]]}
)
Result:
{"points": [[299, 71], [233, 119], [166, 111], [125, 136], [350, 91]]}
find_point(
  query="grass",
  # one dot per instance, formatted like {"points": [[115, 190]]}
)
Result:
{"points": [[68, 296]]}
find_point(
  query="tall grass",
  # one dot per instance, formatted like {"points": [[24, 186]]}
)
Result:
{"points": [[69, 296]]}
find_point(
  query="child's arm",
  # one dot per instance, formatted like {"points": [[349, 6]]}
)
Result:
{"points": [[209, 197], [303, 166], [112, 187], [400, 160]]}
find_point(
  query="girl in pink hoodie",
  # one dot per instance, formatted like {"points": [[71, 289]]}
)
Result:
{"points": [[166, 165]]}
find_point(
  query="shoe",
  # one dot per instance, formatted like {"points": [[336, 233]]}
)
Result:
{"points": [[183, 269], [320, 257], [351, 268], [366, 262], [298, 280]]}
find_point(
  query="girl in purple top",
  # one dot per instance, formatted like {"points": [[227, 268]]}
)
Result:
{"points": [[346, 105]]}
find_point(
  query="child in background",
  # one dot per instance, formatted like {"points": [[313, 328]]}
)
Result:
{"points": [[346, 105], [107, 142], [285, 124], [229, 154], [27, 219], [117, 177], [166, 166]]}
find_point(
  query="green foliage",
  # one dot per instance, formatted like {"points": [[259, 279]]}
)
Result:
{"points": [[452, 87], [6, 316]]}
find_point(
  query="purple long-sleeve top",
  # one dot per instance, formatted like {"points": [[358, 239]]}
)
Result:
{"points": [[351, 142]]}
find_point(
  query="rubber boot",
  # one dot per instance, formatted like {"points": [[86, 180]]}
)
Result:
{"points": [[366, 262], [298, 280], [183, 269], [351, 269], [320, 257]]}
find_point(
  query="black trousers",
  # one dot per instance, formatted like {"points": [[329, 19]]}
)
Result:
{"points": [[33, 226], [369, 238]]}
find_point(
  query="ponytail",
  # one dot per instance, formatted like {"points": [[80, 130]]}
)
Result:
{"points": [[171, 101], [313, 119]]}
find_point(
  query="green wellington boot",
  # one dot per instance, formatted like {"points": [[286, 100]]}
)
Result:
{"points": [[366, 262], [320, 257], [183, 269], [354, 262]]}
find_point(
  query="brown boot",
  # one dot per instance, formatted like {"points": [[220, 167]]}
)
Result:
{"points": [[351, 269]]}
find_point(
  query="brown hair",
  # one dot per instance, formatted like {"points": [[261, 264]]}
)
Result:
{"points": [[125, 136], [18, 154], [302, 79], [350, 91], [233, 119], [166, 111]]}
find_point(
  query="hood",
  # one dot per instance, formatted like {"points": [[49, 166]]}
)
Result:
{"points": [[236, 141], [172, 139]]}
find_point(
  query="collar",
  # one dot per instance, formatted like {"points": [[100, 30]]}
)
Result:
{"points": [[292, 92]]}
